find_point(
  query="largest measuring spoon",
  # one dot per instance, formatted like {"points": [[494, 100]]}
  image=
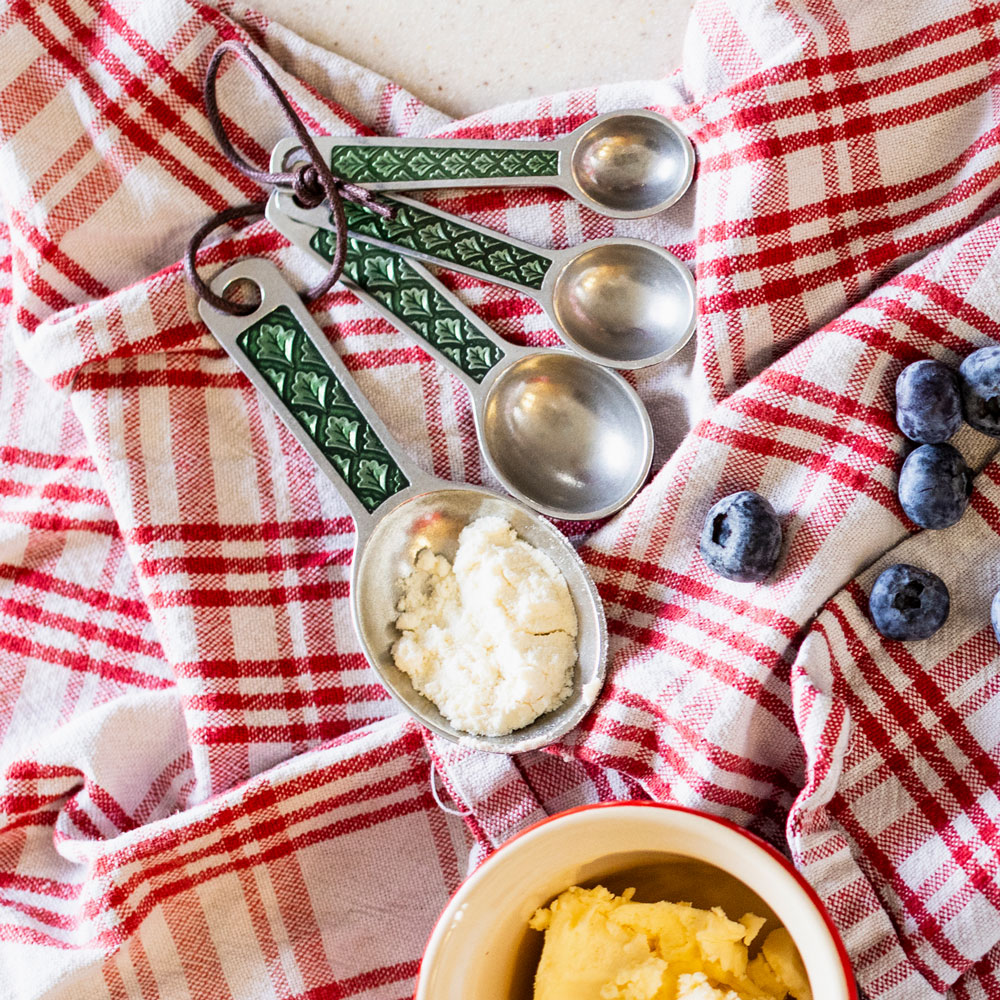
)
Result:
{"points": [[623, 164], [397, 508], [620, 302], [566, 436]]}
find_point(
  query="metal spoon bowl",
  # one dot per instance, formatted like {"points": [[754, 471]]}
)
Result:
{"points": [[434, 520], [622, 302], [556, 426], [398, 514], [628, 162]]}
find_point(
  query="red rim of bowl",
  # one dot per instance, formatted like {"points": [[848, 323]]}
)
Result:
{"points": [[763, 844]]}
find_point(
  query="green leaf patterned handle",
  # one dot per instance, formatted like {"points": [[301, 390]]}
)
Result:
{"points": [[388, 278], [450, 243], [367, 164], [279, 348]]}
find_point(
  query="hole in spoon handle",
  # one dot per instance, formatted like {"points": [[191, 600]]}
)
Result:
{"points": [[392, 163], [282, 351]]}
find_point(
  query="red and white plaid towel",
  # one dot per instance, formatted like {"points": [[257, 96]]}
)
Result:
{"points": [[205, 792]]}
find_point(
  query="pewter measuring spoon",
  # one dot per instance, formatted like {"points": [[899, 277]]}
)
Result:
{"points": [[398, 509], [620, 302], [623, 164], [564, 435]]}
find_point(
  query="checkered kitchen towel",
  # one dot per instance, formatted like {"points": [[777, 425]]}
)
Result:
{"points": [[204, 792]]}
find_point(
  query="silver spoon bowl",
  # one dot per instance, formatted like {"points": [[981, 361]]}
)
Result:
{"points": [[397, 508], [558, 429], [623, 164], [434, 520], [621, 302], [568, 437], [630, 163]]}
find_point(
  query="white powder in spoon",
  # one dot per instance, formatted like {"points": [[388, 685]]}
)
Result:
{"points": [[491, 640]]}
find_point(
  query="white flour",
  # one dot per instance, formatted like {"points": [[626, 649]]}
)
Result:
{"points": [[491, 640]]}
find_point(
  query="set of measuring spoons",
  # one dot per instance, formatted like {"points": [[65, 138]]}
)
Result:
{"points": [[560, 430], [565, 434]]}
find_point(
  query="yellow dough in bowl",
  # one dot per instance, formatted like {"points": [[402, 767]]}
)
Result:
{"points": [[599, 946]]}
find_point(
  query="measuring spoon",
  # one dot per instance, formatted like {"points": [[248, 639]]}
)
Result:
{"points": [[398, 509], [620, 302], [623, 164], [566, 436]]}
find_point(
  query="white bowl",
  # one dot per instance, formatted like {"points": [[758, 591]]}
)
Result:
{"points": [[482, 948]]}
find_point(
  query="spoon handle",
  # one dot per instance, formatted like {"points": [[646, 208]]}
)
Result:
{"points": [[390, 163], [437, 237], [285, 355], [401, 291]]}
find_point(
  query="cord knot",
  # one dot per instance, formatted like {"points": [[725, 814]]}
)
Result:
{"points": [[307, 187], [312, 182]]}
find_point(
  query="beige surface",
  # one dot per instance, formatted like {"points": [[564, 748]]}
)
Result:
{"points": [[463, 56]]}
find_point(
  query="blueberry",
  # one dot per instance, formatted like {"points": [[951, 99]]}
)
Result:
{"points": [[928, 403], [995, 615], [979, 377], [935, 485], [741, 539], [908, 603]]}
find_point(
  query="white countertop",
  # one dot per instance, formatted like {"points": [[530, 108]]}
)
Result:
{"points": [[463, 56]]}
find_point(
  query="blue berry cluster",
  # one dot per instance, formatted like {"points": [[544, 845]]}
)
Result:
{"points": [[741, 537], [935, 483]]}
